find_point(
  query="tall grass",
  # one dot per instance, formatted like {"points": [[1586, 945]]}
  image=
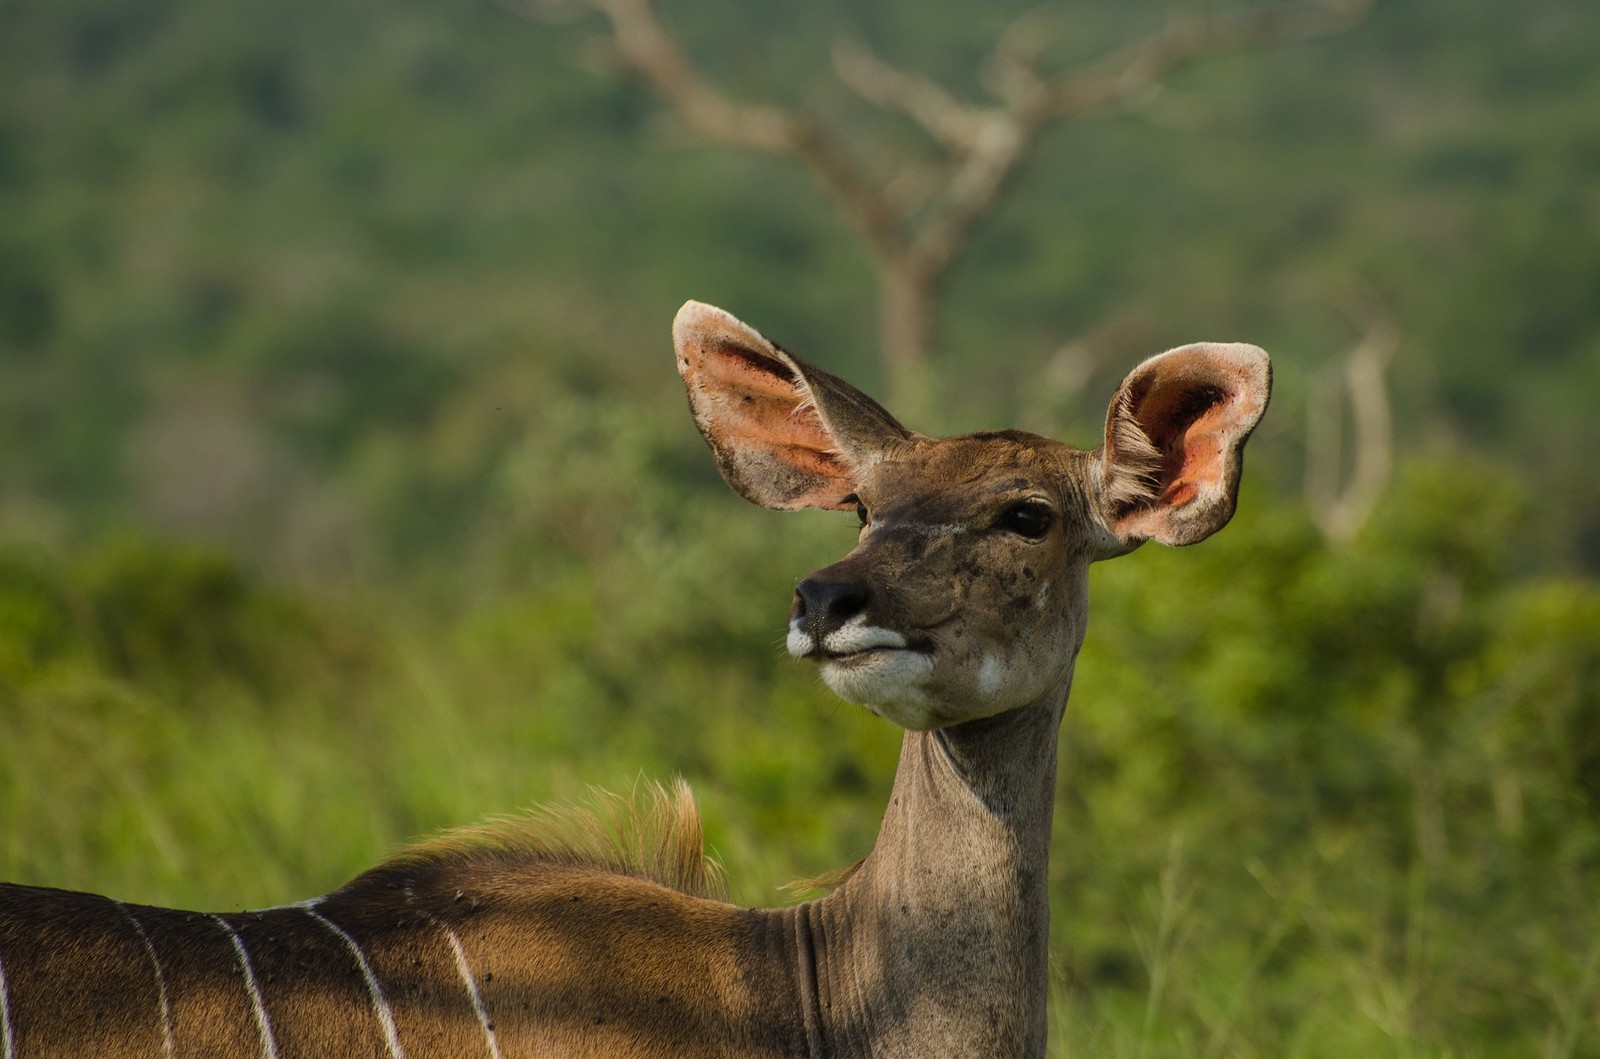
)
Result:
{"points": [[1312, 803]]}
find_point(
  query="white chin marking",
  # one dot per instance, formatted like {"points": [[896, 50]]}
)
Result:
{"points": [[891, 683], [873, 667]]}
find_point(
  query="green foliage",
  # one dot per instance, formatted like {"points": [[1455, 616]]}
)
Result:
{"points": [[1348, 788], [372, 301], [176, 621], [1311, 801]]}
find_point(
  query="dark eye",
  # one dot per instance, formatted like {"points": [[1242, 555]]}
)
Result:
{"points": [[1030, 519], [861, 509]]}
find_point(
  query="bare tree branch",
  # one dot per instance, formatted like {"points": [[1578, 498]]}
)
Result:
{"points": [[644, 46], [989, 143], [1011, 71], [917, 229], [1125, 73], [984, 143], [647, 48], [1341, 511], [952, 124]]}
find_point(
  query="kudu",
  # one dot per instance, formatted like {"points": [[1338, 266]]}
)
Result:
{"points": [[958, 616]]}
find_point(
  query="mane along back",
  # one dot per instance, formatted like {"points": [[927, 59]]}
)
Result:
{"points": [[654, 833]]}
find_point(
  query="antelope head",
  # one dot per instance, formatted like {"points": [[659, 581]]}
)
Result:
{"points": [[966, 595]]}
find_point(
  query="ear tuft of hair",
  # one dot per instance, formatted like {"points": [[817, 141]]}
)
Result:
{"points": [[1133, 464]]}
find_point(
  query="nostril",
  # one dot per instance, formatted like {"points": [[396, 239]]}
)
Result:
{"points": [[847, 601], [833, 602]]}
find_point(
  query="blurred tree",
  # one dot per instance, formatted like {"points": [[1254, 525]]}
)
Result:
{"points": [[273, 277], [916, 215], [1341, 501]]}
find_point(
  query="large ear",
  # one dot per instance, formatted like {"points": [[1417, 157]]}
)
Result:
{"points": [[786, 435], [1175, 439]]}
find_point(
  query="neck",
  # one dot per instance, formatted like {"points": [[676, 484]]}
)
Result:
{"points": [[943, 931]]}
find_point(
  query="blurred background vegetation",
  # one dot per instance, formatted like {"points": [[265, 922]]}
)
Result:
{"points": [[346, 489]]}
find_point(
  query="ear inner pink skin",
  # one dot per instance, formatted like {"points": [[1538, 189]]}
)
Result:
{"points": [[759, 414], [1196, 406]]}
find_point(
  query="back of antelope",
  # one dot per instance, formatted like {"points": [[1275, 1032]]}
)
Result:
{"points": [[958, 616]]}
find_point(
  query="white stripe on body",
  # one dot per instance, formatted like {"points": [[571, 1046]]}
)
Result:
{"points": [[380, 1005], [310, 902], [269, 1046], [161, 979], [7, 1045], [472, 988]]}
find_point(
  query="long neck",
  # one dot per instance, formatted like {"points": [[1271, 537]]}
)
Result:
{"points": [[938, 943]]}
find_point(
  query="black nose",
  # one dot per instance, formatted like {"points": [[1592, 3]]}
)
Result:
{"points": [[823, 606]]}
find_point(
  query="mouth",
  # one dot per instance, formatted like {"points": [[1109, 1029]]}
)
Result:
{"points": [[855, 644], [851, 659], [852, 654]]}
